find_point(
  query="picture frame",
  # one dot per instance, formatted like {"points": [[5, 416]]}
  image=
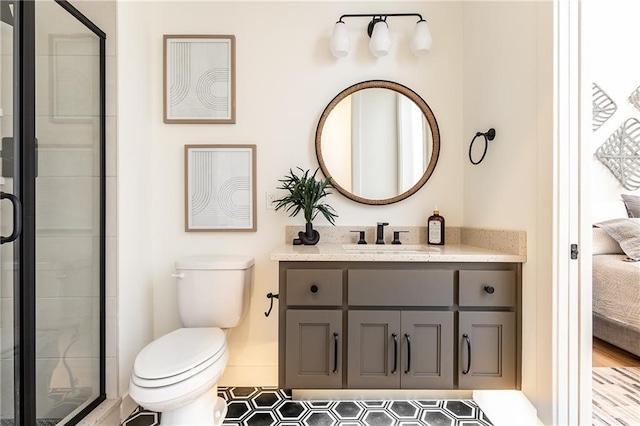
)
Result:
{"points": [[199, 81], [220, 188]]}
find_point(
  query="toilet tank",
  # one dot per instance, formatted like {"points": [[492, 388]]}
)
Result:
{"points": [[214, 290]]}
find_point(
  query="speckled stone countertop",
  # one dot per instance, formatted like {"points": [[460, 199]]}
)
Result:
{"points": [[461, 245]]}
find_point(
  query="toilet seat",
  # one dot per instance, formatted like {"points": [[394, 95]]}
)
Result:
{"points": [[178, 356]]}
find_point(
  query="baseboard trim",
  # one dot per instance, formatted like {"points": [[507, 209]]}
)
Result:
{"points": [[503, 406], [127, 407]]}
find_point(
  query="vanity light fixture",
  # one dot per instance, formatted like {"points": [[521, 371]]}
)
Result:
{"points": [[378, 30]]}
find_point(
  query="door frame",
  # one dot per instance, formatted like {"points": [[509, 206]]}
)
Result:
{"points": [[24, 248], [572, 330]]}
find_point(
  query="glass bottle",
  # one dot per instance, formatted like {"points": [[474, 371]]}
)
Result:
{"points": [[435, 228]]}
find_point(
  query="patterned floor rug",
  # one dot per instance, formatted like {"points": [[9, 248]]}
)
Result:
{"points": [[616, 396]]}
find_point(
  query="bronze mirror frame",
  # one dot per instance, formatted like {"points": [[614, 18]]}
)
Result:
{"points": [[428, 114]]}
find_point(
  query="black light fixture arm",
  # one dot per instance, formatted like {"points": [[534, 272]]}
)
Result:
{"points": [[377, 17], [373, 15]]}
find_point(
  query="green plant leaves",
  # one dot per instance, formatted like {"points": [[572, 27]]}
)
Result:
{"points": [[306, 193]]}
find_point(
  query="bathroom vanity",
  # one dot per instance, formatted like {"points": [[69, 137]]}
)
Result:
{"points": [[399, 318]]}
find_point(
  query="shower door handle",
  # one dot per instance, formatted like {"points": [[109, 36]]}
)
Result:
{"points": [[17, 217]]}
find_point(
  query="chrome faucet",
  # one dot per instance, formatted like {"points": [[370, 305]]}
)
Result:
{"points": [[380, 232]]}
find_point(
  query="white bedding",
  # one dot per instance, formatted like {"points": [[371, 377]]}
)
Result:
{"points": [[616, 289]]}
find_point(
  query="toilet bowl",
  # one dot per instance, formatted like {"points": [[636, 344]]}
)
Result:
{"points": [[177, 374]]}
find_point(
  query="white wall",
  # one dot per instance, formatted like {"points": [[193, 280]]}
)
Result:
{"points": [[490, 66], [616, 71], [135, 180], [508, 86], [285, 77]]}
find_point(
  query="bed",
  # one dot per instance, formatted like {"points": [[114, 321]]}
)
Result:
{"points": [[616, 286]]}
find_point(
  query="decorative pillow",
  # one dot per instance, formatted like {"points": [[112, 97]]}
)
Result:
{"points": [[604, 244], [632, 203], [626, 232]]}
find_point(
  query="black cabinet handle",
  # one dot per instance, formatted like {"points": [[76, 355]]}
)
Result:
{"points": [[335, 353], [489, 289], [466, 337], [395, 353], [314, 288], [17, 217], [408, 337]]}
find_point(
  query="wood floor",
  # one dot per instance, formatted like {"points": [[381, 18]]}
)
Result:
{"points": [[607, 355]]}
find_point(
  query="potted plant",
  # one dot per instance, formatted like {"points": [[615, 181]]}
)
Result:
{"points": [[306, 194]]}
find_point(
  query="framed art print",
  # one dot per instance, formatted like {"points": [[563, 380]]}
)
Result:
{"points": [[199, 79], [220, 187]]}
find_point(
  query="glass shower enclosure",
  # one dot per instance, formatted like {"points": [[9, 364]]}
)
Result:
{"points": [[52, 222]]}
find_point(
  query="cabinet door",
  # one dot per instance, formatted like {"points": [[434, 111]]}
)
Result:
{"points": [[427, 350], [313, 352], [487, 350], [374, 349]]}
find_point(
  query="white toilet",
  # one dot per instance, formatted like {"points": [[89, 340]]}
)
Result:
{"points": [[177, 374]]}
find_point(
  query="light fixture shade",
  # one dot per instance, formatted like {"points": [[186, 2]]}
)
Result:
{"points": [[340, 42], [421, 40], [380, 40]]}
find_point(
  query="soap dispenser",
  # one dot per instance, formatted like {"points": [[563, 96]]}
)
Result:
{"points": [[435, 228]]}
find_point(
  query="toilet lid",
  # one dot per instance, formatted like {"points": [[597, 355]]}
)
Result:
{"points": [[178, 352]]}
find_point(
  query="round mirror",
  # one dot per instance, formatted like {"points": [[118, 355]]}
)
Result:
{"points": [[377, 142]]}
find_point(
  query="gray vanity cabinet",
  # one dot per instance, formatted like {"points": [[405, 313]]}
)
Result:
{"points": [[377, 325], [400, 349]]}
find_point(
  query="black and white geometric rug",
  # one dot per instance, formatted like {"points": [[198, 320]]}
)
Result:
{"points": [[616, 396], [248, 406]]}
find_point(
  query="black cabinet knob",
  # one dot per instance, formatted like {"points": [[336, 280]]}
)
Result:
{"points": [[314, 288], [489, 289]]}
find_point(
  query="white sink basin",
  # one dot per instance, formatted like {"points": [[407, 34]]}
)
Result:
{"points": [[391, 248]]}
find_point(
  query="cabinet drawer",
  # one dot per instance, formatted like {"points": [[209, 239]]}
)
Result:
{"points": [[314, 287], [400, 288], [488, 288]]}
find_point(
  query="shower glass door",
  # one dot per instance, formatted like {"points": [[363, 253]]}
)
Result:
{"points": [[52, 73], [68, 213]]}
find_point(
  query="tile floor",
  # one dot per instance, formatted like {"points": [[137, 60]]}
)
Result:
{"points": [[273, 407]]}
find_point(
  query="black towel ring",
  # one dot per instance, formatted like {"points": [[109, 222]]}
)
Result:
{"points": [[488, 136]]}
